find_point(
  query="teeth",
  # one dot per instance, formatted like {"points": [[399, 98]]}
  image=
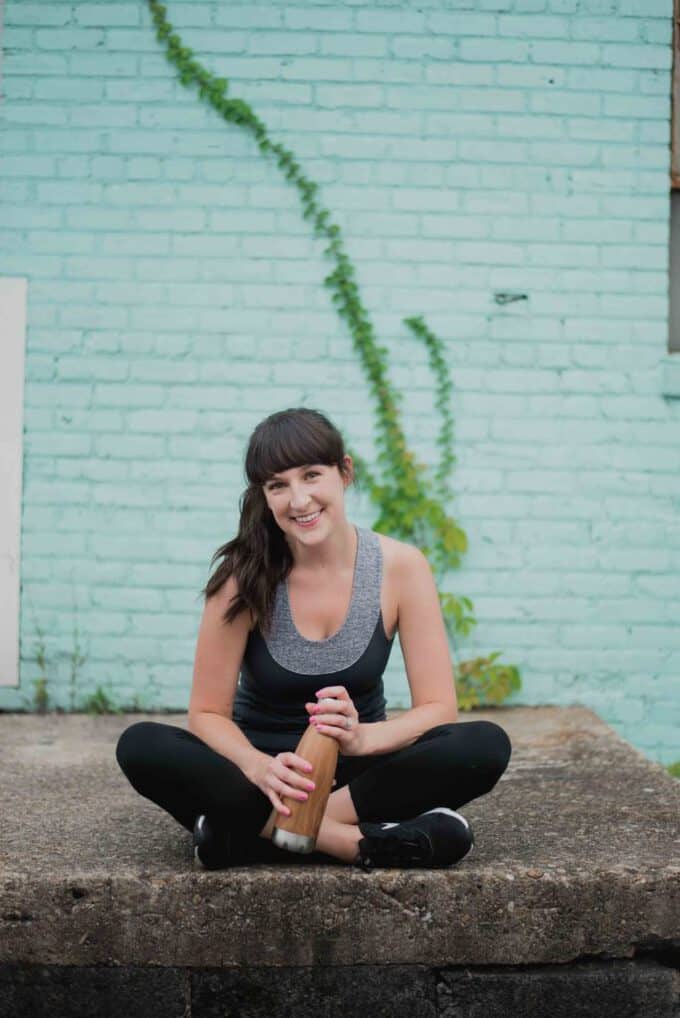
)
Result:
{"points": [[306, 519]]}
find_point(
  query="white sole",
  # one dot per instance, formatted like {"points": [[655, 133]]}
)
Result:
{"points": [[458, 816], [450, 813], [437, 809], [201, 821]]}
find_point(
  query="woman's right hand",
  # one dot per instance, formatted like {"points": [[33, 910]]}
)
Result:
{"points": [[280, 776]]}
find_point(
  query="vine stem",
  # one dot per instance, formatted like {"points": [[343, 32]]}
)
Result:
{"points": [[411, 506]]}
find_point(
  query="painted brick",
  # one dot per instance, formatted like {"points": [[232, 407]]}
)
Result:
{"points": [[423, 48], [353, 45], [193, 14], [652, 83], [442, 22], [61, 142], [166, 625], [33, 166], [18, 216], [175, 298], [130, 40], [103, 65], [35, 113], [504, 50], [66, 39], [645, 107], [68, 193], [155, 269], [73, 167], [37, 14], [110, 116], [139, 90], [106, 15], [40, 63], [281, 43], [17, 39], [659, 57]]}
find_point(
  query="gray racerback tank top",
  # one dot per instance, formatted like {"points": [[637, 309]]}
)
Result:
{"points": [[281, 673]]}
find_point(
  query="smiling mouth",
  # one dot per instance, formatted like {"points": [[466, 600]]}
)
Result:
{"points": [[303, 521]]}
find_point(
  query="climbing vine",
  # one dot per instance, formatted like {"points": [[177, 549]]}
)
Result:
{"points": [[411, 506]]}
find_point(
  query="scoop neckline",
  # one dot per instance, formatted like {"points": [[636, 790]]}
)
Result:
{"points": [[333, 636]]}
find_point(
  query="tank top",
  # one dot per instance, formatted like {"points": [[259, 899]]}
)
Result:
{"points": [[281, 673]]}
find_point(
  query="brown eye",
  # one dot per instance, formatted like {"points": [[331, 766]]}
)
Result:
{"points": [[277, 484]]}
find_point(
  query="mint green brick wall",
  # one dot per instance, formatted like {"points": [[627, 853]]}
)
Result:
{"points": [[175, 298]]}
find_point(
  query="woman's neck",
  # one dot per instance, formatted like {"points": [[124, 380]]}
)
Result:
{"points": [[336, 554]]}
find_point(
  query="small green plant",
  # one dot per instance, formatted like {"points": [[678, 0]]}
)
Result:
{"points": [[137, 706], [76, 660], [674, 769], [482, 681], [141, 702], [411, 506], [100, 702], [40, 685]]}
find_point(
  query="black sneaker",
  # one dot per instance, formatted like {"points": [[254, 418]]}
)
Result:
{"points": [[210, 851], [440, 837]]}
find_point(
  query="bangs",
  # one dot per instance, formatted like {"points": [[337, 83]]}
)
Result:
{"points": [[288, 440]]}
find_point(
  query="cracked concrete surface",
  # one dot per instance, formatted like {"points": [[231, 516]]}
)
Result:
{"points": [[577, 855]]}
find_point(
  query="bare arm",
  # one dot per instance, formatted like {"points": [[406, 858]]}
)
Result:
{"points": [[424, 643], [226, 738], [219, 652]]}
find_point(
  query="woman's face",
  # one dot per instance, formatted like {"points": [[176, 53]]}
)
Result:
{"points": [[314, 490]]}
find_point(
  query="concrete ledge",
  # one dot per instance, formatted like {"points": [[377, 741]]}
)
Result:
{"points": [[576, 860]]}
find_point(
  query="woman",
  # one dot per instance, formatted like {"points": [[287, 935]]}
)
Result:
{"points": [[303, 606]]}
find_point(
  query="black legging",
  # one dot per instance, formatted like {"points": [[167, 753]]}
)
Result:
{"points": [[446, 766]]}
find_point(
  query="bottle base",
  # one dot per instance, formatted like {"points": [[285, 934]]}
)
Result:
{"points": [[293, 842]]}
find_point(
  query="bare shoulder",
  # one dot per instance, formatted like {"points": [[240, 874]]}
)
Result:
{"points": [[406, 571], [222, 599], [399, 556]]}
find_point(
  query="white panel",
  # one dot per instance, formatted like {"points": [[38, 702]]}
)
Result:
{"points": [[12, 343]]}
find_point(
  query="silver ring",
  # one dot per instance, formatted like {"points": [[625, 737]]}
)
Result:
{"points": [[348, 722]]}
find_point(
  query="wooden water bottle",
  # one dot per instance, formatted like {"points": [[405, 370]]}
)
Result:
{"points": [[298, 832]]}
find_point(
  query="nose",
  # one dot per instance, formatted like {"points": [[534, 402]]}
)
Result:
{"points": [[299, 500]]}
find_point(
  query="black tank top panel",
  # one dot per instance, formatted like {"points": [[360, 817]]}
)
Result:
{"points": [[281, 673]]}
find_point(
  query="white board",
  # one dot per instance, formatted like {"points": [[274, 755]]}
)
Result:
{"points": [[12, 345]]}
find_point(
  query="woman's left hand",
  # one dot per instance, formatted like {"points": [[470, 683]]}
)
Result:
{"points": [[338, 719]]}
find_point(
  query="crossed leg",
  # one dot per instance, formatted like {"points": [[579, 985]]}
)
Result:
{"points": [[448, 765], [339, 832]]}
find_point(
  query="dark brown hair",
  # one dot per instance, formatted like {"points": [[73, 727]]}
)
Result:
{"points": [[259, 555]]}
